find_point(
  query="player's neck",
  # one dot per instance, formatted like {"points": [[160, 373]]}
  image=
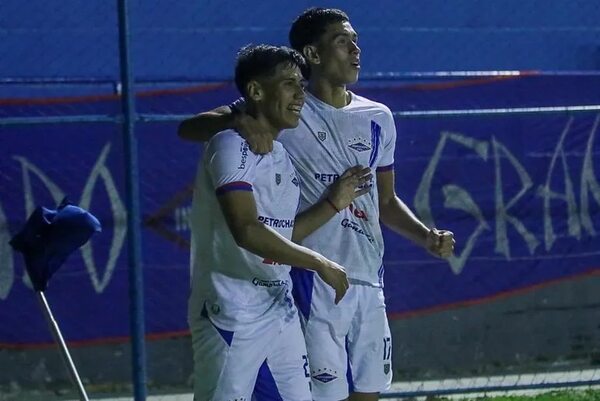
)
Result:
{"points": [[263, 121], [334, 95]]}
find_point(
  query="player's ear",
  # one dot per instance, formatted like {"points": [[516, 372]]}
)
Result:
{"points": [[311, 54], [254, 91]]}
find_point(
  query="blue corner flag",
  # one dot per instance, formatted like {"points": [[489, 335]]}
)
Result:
{"points": [[50, 236]]}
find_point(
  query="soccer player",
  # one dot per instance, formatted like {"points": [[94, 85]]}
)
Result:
{"points": [[349, 344], [245, 326]]}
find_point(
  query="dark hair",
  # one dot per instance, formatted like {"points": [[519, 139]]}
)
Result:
{"points": [[255, 61], [311, 24]]}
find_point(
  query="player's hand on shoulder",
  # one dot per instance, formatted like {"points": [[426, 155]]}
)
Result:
{"points": [[355, 181], [335, 276], [260, 141], [440, 243]]}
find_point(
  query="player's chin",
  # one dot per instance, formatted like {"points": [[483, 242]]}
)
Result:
{"points": [[291, 120], [351, 79]]}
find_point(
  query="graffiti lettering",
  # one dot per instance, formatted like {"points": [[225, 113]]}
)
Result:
{"points": [[119, 217], [547, 194], [502, 216], [456, 197], [589, 183]]}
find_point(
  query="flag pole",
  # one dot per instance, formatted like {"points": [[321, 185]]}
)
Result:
{"points": [[63, 346]]}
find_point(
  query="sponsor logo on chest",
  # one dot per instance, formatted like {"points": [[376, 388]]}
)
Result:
{"points": [[357, 212], [354, 226], [326, 177], [276, 223]]}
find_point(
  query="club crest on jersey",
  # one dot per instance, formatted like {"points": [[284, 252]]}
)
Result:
{"points": [[277, 178], [359, 144], [386, 368], [322, 135], [324, 375]]}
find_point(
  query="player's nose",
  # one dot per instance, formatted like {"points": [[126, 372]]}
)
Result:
{"points": [[299, 93]]}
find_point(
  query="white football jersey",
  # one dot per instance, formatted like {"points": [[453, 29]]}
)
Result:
{"points": [[327, 142], [234, 285]]}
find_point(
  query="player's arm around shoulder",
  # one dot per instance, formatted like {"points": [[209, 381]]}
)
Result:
{"points": [[203, 126]]}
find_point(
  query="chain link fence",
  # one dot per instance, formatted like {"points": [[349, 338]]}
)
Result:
{"points": [[61, 134]]}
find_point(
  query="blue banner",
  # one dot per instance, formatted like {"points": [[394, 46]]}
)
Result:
{"points": [[520, 192]]}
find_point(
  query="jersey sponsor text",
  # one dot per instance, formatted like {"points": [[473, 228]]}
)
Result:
{"points": [[276, 223], [347, 223]]}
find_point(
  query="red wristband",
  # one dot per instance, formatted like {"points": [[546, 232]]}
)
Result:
{"points": [[332, 205]]}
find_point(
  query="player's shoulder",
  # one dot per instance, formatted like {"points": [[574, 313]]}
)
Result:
{"points": [[279, 153], [366, 104], [278, 147], [225, 139], [228, 142]]}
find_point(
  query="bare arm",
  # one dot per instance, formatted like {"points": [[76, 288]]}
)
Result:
{"points": [[396, 215], [204, 126], [239, 209], [348, 187]]}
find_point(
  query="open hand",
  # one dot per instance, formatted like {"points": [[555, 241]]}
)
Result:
{"points": [[355, 181], [440, 243]]}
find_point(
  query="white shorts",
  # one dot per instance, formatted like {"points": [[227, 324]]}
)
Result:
{"points": [[349, 345], [260, 361]]}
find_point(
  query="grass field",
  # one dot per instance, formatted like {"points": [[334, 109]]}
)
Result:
{"points": [[566, 395]]}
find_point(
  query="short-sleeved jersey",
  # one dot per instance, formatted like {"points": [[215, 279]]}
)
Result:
{"points": [[326, 143], [234, 285]]}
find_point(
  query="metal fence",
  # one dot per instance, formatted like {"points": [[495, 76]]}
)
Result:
{"points": [[44, 97]]}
